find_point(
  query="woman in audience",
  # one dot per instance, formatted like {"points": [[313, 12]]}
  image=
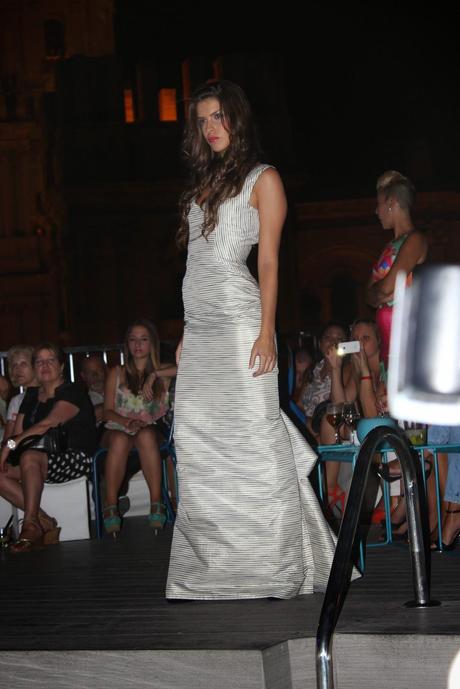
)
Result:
{"points": [[355, 378], [407, 249], [319, 389], [303, 366], [316, 393], [136, 396], [451, 498], [5, 390], [52, 403], [22, 375]]}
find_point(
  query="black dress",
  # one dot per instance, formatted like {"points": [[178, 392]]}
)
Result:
{"points": [[81, 431]]}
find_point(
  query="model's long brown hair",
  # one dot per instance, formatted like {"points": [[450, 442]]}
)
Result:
{"points": [[134, 379], [220, 175]]}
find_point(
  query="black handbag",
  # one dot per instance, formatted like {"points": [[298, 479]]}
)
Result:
{"points": [[54, 441]]}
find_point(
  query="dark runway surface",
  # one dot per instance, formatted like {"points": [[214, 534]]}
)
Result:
{"points": [[110, 595]]}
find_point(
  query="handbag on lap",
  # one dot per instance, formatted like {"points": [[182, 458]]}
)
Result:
{"points": [[54, 441]]}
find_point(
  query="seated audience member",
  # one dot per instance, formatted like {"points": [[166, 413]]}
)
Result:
{"points": [[136, 396], [93, 372], [54, 402], [451, 504], [5, 390], [22, 375], [319, 389], [304, 363], [358, 377]]}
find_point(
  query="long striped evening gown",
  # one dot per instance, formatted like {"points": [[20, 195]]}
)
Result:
{"points": [[248, 524]]}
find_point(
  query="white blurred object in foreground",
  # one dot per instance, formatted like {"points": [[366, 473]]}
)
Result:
{"points": [[424, 364]]}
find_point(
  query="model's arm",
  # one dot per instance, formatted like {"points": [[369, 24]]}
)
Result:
{"points": [[270, 200], [412, 252]]}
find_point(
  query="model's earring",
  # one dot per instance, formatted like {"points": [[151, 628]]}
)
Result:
{"points": [[389, 208]]}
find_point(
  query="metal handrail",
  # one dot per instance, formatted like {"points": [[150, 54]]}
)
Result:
{"points": [[342, 564]]}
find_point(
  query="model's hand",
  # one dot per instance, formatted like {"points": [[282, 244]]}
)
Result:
{"points": [[179, 351], [264, 349]]}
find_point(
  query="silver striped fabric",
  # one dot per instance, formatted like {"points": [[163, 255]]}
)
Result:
{"points": [[248, 524]]}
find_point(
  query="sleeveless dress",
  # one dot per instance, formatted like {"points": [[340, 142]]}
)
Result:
{"points": [[384, 315], [133, 406], [248, 524]]}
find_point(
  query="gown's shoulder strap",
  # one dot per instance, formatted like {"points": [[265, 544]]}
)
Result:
{"points": [[252, 178]]}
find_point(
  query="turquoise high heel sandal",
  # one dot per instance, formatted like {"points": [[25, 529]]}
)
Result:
{"points": [[112, 520], [157, 516]]}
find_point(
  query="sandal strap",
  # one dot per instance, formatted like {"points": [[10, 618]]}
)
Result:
{"points": [[23, 541], [33, 522], [452, 511], [159, 507]]}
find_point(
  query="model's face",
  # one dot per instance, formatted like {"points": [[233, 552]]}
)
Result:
{"points": [[210, 119], [139, 342], [331, 338], [47, 366], [366, 335], [93, 373], [384, 212], [22, 372]]}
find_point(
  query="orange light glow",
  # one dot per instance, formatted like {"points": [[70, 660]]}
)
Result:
{"points": [[129, 105], [167, 105]]}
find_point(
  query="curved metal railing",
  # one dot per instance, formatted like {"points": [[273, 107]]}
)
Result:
{"points": [[342, 564]]}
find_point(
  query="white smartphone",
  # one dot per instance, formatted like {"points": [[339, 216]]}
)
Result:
{"points": [[348, 347]]}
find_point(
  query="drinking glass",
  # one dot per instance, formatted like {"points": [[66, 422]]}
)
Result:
{"points": [[334, 417], [350, 414]]}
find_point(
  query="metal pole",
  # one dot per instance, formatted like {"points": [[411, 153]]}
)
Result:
{"points": [[339, 577]]}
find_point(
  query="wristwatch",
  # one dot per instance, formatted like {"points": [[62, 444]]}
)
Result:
{"points": [[11, 444]]}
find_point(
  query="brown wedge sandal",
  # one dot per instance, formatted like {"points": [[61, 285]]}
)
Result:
{"points": [[30, 538], [50, 527]]}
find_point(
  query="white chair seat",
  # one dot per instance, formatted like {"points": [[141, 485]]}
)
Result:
{"points": [[6, 510], [68, 503]]}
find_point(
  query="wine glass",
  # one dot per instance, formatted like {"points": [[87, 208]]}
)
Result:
{"points": [[350, 414], [334, 417]]}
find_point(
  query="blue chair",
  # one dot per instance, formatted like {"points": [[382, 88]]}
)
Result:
{"points": [[167, 450]]}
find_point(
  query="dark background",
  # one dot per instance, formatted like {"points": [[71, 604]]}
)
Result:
{"points": [[89, 194], [368, 86]]}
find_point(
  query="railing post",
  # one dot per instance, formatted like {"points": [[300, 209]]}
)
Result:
{"points": [[342, 564]]}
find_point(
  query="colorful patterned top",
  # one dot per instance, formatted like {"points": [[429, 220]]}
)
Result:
{"points": [[382, 266], [133, 406], [318, 390]]}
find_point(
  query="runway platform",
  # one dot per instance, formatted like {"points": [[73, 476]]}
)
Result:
{"points": [[92, 614]]}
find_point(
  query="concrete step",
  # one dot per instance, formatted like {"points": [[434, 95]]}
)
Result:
{"points": [[361, 661]]}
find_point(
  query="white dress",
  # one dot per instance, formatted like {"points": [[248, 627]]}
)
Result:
{"points": [[248, 524]]}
